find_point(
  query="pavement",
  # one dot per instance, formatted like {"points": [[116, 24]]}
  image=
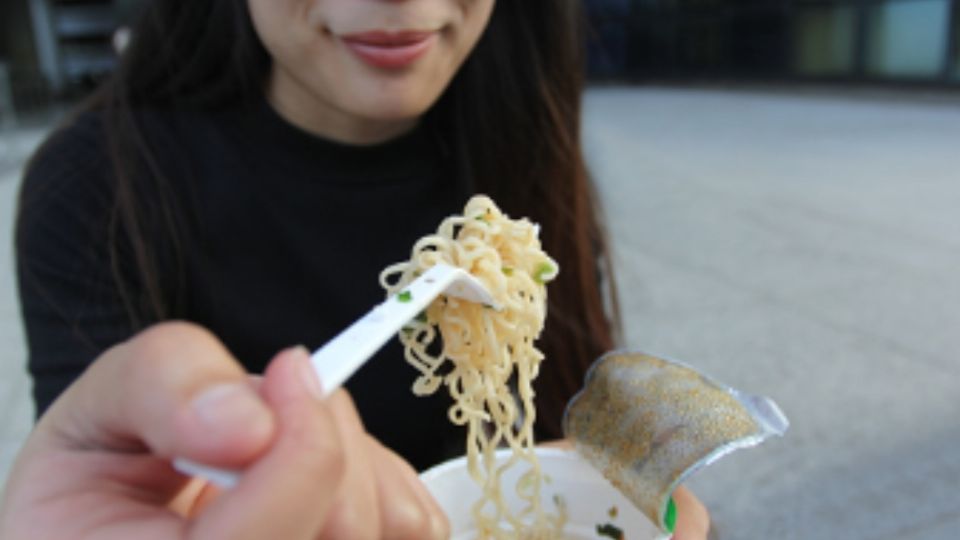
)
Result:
{"points": [[16, 409], [804, 246], [799, 244]]}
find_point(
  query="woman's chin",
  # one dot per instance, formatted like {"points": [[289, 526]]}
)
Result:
{"points": [[393, 108]]}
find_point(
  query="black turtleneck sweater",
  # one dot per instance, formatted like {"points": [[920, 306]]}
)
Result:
{"points": [[283, 238]]}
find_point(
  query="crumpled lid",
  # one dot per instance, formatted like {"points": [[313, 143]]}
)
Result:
{"points": [[647, 423]]}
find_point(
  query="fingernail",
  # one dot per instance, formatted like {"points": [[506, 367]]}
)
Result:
{"points": [[308, 374], [231, 406], [670, 516]]}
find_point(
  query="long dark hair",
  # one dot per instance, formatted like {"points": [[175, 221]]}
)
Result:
{"points": [[512, 116]]}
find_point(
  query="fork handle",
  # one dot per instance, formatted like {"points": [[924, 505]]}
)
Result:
{"points": [[343, 355], [340, 357]]}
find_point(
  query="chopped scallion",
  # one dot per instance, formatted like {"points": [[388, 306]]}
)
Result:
{"points": [[545, 272]]}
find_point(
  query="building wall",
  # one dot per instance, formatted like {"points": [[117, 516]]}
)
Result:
{"points": [[846, 40], [30, 86], [16, 37]]}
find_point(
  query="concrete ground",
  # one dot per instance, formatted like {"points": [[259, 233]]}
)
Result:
{"points": [[16, 409], [805, 247], [799, 245]]}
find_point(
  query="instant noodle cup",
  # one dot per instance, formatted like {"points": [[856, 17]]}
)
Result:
{"points": [[594, 508]]}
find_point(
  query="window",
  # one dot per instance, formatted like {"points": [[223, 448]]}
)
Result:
{"points": [[956, 45], [907, 38], [824, 40]]}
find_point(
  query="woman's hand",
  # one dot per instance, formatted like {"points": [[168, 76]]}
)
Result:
{"points": [[98, 463], [693, 520]]}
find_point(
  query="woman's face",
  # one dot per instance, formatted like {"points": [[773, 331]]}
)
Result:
{"points": [[363, 71]]}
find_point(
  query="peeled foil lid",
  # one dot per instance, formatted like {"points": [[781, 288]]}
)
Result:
{"points": [[647, 423]]}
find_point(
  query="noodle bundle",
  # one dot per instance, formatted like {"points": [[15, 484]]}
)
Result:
{"points": [[491, 354]]}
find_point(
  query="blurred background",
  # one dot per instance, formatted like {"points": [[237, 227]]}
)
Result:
{"points": [[782, 183], [837, 41]]}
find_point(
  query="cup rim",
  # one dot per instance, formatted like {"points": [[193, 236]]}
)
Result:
{"points": [[459, 462]]}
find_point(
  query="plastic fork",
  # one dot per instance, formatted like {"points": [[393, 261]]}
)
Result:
{"points": [[342, 356]]}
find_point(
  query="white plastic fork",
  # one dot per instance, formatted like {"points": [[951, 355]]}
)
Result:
{"points": [[340, 357]]}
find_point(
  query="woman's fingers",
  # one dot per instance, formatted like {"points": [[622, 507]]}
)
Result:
{"points": [[323, 477], [693, 520], [173, 389], [310, 470], [290, 492], [356, 513], [407, 510], [381, 497], [561, 444]]}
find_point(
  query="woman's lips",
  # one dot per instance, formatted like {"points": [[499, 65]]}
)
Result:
{"points": [[389, 50]]}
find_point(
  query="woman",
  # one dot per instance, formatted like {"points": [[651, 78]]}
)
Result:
{"points": [[254, 164]]}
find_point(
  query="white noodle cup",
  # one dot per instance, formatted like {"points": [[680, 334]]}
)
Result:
{"points": [[589, 497]]}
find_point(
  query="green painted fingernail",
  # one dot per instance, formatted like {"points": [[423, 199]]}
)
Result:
{"points": [[670, 517]]}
